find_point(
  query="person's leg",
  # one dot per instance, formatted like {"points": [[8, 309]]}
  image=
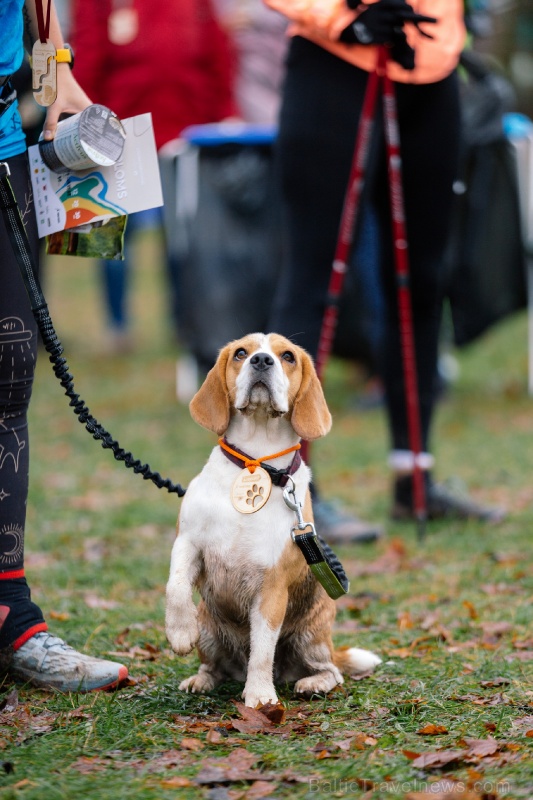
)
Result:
{"points": [[322, 99], [116, 280], [27, 651], [19, 617], [429, 120], [318, 122]]}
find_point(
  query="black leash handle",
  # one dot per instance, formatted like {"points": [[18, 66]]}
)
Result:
{"points": [[21, 248]]}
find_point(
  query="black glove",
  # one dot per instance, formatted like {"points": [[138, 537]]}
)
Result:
{"points": [[382, 23]]}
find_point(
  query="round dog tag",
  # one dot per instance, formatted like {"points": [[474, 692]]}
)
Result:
{"points": [[251, 490]]}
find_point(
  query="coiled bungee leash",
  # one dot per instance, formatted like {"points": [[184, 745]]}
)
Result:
{"points": [[21, 248]]}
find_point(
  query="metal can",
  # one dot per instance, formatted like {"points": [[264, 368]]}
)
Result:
{"points": [[93, 138]]}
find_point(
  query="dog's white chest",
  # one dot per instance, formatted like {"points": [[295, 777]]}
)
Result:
{"points": [[219, 530]]}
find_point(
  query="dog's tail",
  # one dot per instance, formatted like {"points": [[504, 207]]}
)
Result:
{"points": [[353, 660]]}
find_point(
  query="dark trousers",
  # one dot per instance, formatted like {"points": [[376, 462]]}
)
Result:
{"points": [[19, 617], [321, 107]]}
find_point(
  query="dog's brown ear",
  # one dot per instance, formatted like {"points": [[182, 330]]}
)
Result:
{"points": [[310, 414], [210, 406]]}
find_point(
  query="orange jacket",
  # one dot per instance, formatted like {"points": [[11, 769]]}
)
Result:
{"points": [[322, 21]]}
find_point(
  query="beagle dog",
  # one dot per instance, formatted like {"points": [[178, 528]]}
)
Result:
{"points": [[263, 616]]}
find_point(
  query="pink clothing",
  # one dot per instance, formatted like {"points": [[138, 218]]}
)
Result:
{"points": [[322, 21], [172, 59]]}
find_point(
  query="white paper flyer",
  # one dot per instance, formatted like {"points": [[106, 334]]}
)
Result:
{"points": [[76, 198]]}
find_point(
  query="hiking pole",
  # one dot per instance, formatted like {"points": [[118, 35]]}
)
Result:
{"points": [[376, 80], [405, 316]]}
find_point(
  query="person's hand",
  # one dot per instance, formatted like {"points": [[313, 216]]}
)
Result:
{"points": [[382, 23], [70, 99]]}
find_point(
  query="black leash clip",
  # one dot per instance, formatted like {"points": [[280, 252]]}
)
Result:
{"points": [[321, 559]]}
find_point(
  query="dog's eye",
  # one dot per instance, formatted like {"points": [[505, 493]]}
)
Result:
{"points": [[288, 356], [240, 354]]}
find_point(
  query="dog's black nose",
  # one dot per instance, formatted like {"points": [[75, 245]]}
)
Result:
{"points": [[261, 361]]}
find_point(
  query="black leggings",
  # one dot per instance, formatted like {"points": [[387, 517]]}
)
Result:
{"points": [[320, 113], [19, 617]]}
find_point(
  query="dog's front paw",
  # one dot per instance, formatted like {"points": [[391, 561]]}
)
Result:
{"points": [[182, 633], [259, 695]]}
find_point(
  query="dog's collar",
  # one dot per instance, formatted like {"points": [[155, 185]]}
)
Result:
{"points": [[279, 477]]}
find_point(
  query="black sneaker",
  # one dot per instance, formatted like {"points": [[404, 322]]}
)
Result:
{"points": [[443, 501], [337, 527]]}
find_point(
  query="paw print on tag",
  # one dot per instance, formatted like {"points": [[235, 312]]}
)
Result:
{"points": [[254, 496]]}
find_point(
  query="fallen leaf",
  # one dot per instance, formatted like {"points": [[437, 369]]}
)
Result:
{"points": [[276, 713], [254, 720], [10, 702], [237, 766], [432, 730], [60, 616], [405, 621], [92, 600], [176, 782], [438, 758], [86, 765], [496, 682], [472, 613], [523, 723], [411, 755], [482, 747], [520, 655], [496, 628], [260, 789], [215, 737], [192, 744]]}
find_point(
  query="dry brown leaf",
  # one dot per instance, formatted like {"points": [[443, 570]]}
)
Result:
{"points": [[215, 737], [523, 723], [496, 628], [322, 754], [274, 712], [176, 782], [237, 766], [480, 748], [10, 702], [390, 562], [472, 613], [405, 621], [86, 765], [412, 756], [432, 730], [520, 655], [260, 789], [438, 758], [496, 682], [192, 744], [92, 600], [60, 616], [254, 720]]}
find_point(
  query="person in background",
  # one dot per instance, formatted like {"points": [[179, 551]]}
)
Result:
{"points": [[176, 64], [259, 39], [28, 652], [333, 49]]}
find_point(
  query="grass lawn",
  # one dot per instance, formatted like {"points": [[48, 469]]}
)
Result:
{"points": [[450, 711]]}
